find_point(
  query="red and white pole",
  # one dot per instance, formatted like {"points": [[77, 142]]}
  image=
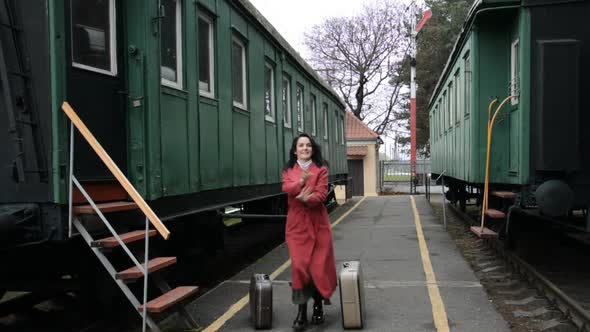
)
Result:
{"points": [[415, 29], [413, 101]]}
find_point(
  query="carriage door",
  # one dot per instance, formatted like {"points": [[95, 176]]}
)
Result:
{"points": [[96, 86]]}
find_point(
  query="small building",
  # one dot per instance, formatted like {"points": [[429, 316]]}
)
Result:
{"points": [[362, 151]]}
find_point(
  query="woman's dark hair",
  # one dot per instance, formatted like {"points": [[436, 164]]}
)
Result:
{"points": [[316, 153]]}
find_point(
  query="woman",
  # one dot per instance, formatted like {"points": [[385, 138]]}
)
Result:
{"points": [[308, 232]]}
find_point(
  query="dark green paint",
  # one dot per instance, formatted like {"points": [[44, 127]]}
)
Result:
{"points": [[181, 142], [461, 149]]}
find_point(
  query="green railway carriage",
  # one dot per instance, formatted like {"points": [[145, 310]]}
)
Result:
{"points": [[537, 52], [197, 102]]}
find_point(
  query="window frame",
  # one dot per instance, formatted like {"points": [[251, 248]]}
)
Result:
{"points": [[244, 104], [300, 107], [272, 116], [112, 43], [211, 22], [314, 113], [435, 123], [467, 83], [336, 129], [326, 125], [445, 112], [457, 100], [450, 104], [515, 71], [178, 84], [287, 113], [342, 138]]}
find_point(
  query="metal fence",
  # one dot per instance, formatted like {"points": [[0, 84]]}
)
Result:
{"points": [[396, 175]]}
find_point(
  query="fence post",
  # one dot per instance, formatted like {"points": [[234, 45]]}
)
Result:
{"points": [[381, 162], [444, 201]]}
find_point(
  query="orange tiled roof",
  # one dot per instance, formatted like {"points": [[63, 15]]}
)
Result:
{"points": [[356, 150], [356, 129]]}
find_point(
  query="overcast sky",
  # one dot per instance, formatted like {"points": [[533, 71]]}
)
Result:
{"points": [[294, 17]]}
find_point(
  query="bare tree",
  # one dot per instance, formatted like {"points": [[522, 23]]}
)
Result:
{"points": [[360, 57]]}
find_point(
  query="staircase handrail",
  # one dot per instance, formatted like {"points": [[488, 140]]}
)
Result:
{"points": [[491, 121], [114, 169]]}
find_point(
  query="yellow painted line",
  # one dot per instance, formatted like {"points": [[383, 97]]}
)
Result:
{"points": [[280, 269], [347, 213], [219, 322], [438, 308]]}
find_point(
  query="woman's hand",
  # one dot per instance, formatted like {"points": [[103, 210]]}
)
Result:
{"points": [[304, 176], [304, 195]]}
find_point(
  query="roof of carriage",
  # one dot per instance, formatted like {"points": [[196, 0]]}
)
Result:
{"points": [[477, 7]]}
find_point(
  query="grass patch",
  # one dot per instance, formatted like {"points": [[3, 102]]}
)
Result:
{"points": [[397, 177]]}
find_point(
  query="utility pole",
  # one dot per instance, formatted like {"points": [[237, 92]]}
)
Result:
{"points": [[415, 30]]}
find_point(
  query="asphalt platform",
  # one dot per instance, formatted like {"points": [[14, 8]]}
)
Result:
{"points": [[415, 278]]}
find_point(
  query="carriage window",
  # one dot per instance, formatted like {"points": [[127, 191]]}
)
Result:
{"points": [[94, 35], [342, 130], [171, 43], [206, 62], [238, 67], [299, 107], [431, 125], [325, 121], [457, 99], [445, 110], [287, 101], [450, 105], [336, 129], [515, 72], [467, 83], [313, 115], [269, 92]]}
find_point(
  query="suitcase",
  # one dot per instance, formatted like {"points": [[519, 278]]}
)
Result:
{"points": [[261, 301], [352, 295]]}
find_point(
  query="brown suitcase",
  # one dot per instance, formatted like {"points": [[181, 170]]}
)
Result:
{"points": [[261, 301]]}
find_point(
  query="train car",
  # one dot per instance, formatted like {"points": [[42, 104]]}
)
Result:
{"points": [[196, 102], [533, 55]]}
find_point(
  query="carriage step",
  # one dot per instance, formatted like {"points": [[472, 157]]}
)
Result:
{"points": [[105, 207], [100, 192], [154, 264], [169, 299], [111, 242], [504, 194], [483, 232], [495, 214]]}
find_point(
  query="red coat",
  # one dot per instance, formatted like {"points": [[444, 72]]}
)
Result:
{"points": [[308, 232]]}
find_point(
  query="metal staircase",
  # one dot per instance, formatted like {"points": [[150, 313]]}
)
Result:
{"points": [[140, 270]]}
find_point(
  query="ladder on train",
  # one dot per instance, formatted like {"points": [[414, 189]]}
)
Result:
{"points": [[486, 212], [16, 85], [170, 298]]}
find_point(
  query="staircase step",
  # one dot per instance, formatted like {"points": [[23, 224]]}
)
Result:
{"points": [[111, 242], [100, 192], [170, 298], [504, 194], [154, 264], [105, 207], [495, 214], [483, 233]]}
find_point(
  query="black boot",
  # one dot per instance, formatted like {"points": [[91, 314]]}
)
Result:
{"points": [[318, 313], [300, 322]]}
